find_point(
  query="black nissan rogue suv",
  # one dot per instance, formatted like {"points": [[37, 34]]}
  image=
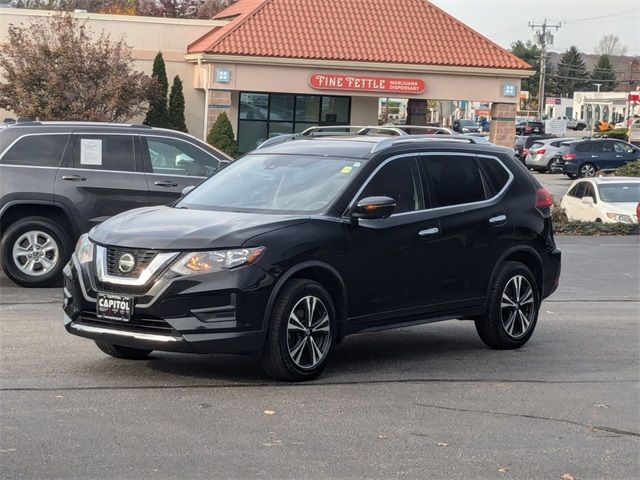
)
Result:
{"points": [[294, 246], [59, 179]]}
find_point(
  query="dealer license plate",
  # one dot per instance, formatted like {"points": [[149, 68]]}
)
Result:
{"points": [[114, 307]]}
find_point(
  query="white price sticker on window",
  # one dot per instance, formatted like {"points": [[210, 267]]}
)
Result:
{"points": [[90, 151]]}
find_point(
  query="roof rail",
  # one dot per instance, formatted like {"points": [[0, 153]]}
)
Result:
{"points": [[33, 123], [390, 142]]}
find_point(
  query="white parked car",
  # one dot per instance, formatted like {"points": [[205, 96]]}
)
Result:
{"points": [[603, 199]]}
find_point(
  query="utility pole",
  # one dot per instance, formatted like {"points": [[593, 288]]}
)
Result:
{"points": [[544, 39]]}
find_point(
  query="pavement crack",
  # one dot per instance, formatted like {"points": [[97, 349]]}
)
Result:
{"points": [[534, 417]]}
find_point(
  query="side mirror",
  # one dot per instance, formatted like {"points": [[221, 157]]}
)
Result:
{"points": [[374, 207], [186, 190], [588, 200]]}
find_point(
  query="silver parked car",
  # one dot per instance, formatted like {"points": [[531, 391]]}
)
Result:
{"points": [[541, 153]]}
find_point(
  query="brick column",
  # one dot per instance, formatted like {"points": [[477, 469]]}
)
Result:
{"points": [[219, 101], [503, 124]]}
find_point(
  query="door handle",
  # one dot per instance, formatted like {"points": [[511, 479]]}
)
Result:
{"points": [[428, 232], [165, 183], [74, 178], [497, 219]]}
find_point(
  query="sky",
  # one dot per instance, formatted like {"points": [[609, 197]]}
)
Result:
{"points": [[584, 22]]}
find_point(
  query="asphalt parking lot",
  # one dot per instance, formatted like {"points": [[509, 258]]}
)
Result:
{"points": [[428, 401]]}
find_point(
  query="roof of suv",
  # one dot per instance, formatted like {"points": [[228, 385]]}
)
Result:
{"points": [[364, 147]]}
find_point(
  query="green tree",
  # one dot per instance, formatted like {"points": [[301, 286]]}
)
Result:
{"points": [[572, 73], [530, 53], [176, 106], [221, 136], [50, 68], [158, 116], [604, 73]]}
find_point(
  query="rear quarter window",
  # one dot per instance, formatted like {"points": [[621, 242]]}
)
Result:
{"points": [[583, 147], [537, 145], [36, 150], [495, 174]]}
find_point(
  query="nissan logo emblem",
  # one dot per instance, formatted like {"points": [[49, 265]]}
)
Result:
{"points": [[126, 262]]}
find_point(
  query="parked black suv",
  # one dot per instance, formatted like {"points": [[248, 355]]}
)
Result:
{"points": [[59, 179], [525, 127], [583, 158], [294, 246]]}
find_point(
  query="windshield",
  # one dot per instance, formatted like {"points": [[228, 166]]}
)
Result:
{"points": [[620, 192], [276, 183]]}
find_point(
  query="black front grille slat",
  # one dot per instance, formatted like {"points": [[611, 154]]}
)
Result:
{"points": [[143, 259]]}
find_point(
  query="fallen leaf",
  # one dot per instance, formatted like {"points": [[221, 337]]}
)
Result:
{"points": [[269, 412], [5, 450], [443, 444], [566, 476], [600, 405], [59, 396], [382, 437], [503, 470]]}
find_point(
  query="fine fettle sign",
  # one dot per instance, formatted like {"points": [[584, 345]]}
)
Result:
{"points": [[328, 81]]}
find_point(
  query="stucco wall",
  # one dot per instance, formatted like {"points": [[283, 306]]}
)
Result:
{"points": [[147, 36]]}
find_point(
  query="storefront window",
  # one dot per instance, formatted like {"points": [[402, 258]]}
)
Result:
{"points": [[264, 115], [335, 110], [254, 106]]}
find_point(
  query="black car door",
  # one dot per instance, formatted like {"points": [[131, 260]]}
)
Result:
{"points": [[475, 227], [391, 270], [100, 177], [171, 164]]}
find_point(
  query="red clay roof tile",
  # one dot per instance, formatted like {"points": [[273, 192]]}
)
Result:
{"points": [[386, 31]]}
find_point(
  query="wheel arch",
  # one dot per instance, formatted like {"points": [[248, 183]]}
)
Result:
{"points": [[320, 272], [527, 256], [13, 211]]}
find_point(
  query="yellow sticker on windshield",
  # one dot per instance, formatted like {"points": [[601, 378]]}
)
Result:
{"points": [[346, 169]]}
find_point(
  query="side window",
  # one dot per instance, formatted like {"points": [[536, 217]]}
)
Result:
{"points": [[171, 156], [589, 192], [455, 180], [607, 147], [622, 147], [104, 152], [495, 174], [398, 179], [36, 150], [580, 189], [584, 147]]}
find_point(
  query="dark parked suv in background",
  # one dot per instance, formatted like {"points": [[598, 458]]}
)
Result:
{"points": [[583, 158], [296, 245], [59, 179]]}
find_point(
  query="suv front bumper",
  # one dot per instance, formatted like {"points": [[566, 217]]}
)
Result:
{"points": [[219, 312]]}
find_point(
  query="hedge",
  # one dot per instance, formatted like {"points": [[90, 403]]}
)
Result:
{"points": [[631, 169]]}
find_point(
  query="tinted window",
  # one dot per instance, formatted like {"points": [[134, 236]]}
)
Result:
{"points": [[583, 147], [495, 174], [455, 180], [580, 189], [171, 156], [104, 152], [537, 145], [622, 147], [37, 150], [399, 180], [589, 192]]}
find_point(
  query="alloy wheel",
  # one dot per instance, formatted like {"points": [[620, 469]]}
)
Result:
{"points": [[587, 170], [308, 332], [517, 307], [35, 253]]}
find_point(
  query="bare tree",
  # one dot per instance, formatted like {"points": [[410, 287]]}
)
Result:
{"points": [[55, 69], [610, 45]]}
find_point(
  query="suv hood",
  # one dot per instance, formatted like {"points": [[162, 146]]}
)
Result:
{"points": [[167, 228]]}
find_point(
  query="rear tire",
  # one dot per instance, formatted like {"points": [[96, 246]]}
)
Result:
{"points": [[549, 166], [118, 351], [513, 304], [587, 170], [33, 252], [301, 334]]}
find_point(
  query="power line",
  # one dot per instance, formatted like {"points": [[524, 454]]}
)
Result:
{"points": [[543, 38]]}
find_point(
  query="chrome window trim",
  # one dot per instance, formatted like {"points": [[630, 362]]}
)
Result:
{"points": [[39, 134], [101, 170], [158, 262], [435, 209]]}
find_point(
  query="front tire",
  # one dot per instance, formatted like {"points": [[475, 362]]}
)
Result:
{"points": [[513, 305], [33, 252], [118, 351], [301, 334]]}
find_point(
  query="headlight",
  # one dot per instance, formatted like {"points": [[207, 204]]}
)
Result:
{"points": [[620, 217], [84, 249], [204, 262]]}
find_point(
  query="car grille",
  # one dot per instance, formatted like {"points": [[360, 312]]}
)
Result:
{"points": [[143, 259], [146, 325]]}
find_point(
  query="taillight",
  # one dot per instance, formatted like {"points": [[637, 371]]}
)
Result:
{"points": [[525, 151], [569, 156], [542, 151], [543, 198]]}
